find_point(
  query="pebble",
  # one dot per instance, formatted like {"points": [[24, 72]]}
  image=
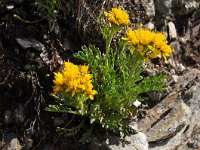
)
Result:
{"points": [[172, 30], [175, 77], [181, 67], [149, 25], [10, 7]]}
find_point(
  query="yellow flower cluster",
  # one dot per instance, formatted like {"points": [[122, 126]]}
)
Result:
{"points": [[118, 16], [74, 79], [149, 44]]}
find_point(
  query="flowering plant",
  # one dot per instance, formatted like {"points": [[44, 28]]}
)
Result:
{"points": [[114, 82]]}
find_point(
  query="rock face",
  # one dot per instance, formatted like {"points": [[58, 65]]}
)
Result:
{"points": [[172, 124], [136, 141], [149, 8], [176, 123], [12, 142]]}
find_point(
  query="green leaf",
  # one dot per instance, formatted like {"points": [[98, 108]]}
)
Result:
{"points": [[71, 131], [57, 108]]}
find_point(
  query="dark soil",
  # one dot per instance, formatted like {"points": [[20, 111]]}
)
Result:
{"points": [[26, 74]]}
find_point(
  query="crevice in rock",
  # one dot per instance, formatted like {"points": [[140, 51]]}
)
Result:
{"points": [[164, 140], [161, 117]]}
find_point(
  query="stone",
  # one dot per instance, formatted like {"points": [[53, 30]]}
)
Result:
{"points": [[172, 63], [183, 40], [172, 30], [177, 123], [136, 141], [176, 47], [172, 71], [163, 6], [149, 8], [14, 144], [186, 6], [195, 30], [175, 120], [195, 136], [149, 25], [175, 78], [11, 142], [10, 7], [30, 43], [181, 67]]}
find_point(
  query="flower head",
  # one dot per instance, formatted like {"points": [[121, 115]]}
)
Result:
{"points": [[74, 79], [59, 82], [148, 43], [118, 16]]}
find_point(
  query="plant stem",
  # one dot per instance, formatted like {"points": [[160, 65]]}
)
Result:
{"points": [[133, 69], [108, 42], [136, 62], [113, 30]]}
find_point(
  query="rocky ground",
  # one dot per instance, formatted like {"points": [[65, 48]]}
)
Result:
{"points": [[34, 42]]}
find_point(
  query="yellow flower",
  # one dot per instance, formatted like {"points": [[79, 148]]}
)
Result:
{"points": [[131, 37], [83, 69], [58, 78], [148, 43], [118, 16], [90, 93], [59, 82], [57, 89], [74, 79]]}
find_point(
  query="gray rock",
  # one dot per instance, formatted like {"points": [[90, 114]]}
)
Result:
{"points": [[176, 47], [10, 7], [14, 144], [11, 142], [195, 30], [172, 30], [186, 6], [174, 123], [175, 120], [149, 25], [175, 78], [111, 142], [163, 6], [30, 43], [149, 8], [181, 67], [183, 40]]}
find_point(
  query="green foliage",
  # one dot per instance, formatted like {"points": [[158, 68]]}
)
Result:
{"points": [[117, 78], [51, 9], [118, 81]]}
